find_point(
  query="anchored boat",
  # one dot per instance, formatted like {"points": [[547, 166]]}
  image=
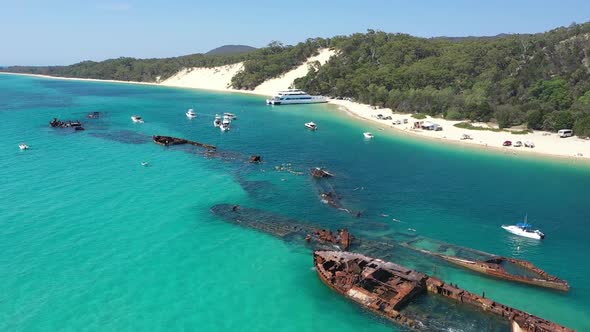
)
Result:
{"points": [[295, 96], [368, 135], [230, 116], [225, 124], [136, 119], [524, 229], [217, 121], [191, 113], [311, 125]]}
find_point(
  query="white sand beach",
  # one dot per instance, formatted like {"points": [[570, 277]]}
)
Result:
{"points": [[219, 79], [546, 143]]}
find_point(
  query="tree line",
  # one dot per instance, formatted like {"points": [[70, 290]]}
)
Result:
{"points": [[541, 80]]}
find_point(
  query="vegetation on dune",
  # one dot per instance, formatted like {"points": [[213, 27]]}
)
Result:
{"points": [[542, 79], [131, 69], [467, 125], [419, 116], [274, 60]]}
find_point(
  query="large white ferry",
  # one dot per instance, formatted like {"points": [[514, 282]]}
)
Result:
{"points": [[295, 96]]}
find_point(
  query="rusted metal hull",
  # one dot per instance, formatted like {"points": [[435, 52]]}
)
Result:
{"points": [[285, 228], [346, 285], [385, 288], [493, 266]]}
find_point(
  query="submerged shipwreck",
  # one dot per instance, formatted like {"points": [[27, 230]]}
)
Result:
{"points": [[284, 228], [169, 140], [492, 265], [402, 295], [386, 288], [56, 123]]}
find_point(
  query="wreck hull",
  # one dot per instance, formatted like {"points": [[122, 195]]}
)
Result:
{"points": [[392, 315], [348, 273], [491, 270], [491, 265]]}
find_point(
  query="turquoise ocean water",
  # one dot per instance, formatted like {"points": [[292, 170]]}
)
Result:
{"points": [[91, 240]]}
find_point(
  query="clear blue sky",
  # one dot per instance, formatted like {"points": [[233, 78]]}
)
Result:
{"points": [[41, 32]]}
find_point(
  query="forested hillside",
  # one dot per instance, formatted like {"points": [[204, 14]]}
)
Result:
{"points": [[542, 80], [259, 65]]}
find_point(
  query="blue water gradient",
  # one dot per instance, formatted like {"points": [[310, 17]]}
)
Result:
{"points": [[92, 240]]}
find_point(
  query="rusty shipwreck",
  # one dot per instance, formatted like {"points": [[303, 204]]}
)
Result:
{"points": [[506, 268], [387, 288], [397, 293]]}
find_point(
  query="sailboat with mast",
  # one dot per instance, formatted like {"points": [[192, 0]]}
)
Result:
{"points": [[524, 229]]}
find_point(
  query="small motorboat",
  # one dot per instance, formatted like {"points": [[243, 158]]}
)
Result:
{"points": [[93, 115], [137, 119], [524, 229], [230, 116], [217, 121], [368, 135], [225, 125], [145, 163], [23, 146], [191, 113], [311, 125]]}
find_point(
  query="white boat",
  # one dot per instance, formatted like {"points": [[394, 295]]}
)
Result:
{"points": [[524, 229], [368, 135], [230, 116], [137, 119], [191, 113], [23, 146], [225, 124], [295, 96], [217, 121], [311, 125]]}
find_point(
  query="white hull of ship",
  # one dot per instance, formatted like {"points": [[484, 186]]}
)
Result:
{"points": [[294, 102]]}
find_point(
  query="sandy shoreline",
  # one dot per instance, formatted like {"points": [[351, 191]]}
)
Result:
{"points": [[546, 144], [218, 79]]}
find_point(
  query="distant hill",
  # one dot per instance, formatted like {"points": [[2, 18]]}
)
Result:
{"points": [[466, 38], [231, 49]]}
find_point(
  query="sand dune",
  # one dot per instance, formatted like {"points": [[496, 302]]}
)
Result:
{"points": [[216, 78], [219, 78]]}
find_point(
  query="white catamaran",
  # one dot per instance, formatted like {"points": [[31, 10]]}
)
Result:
{"points": [[295, 96]]}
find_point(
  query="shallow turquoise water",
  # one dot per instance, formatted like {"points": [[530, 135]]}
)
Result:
{"points": [[90, 239]]}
